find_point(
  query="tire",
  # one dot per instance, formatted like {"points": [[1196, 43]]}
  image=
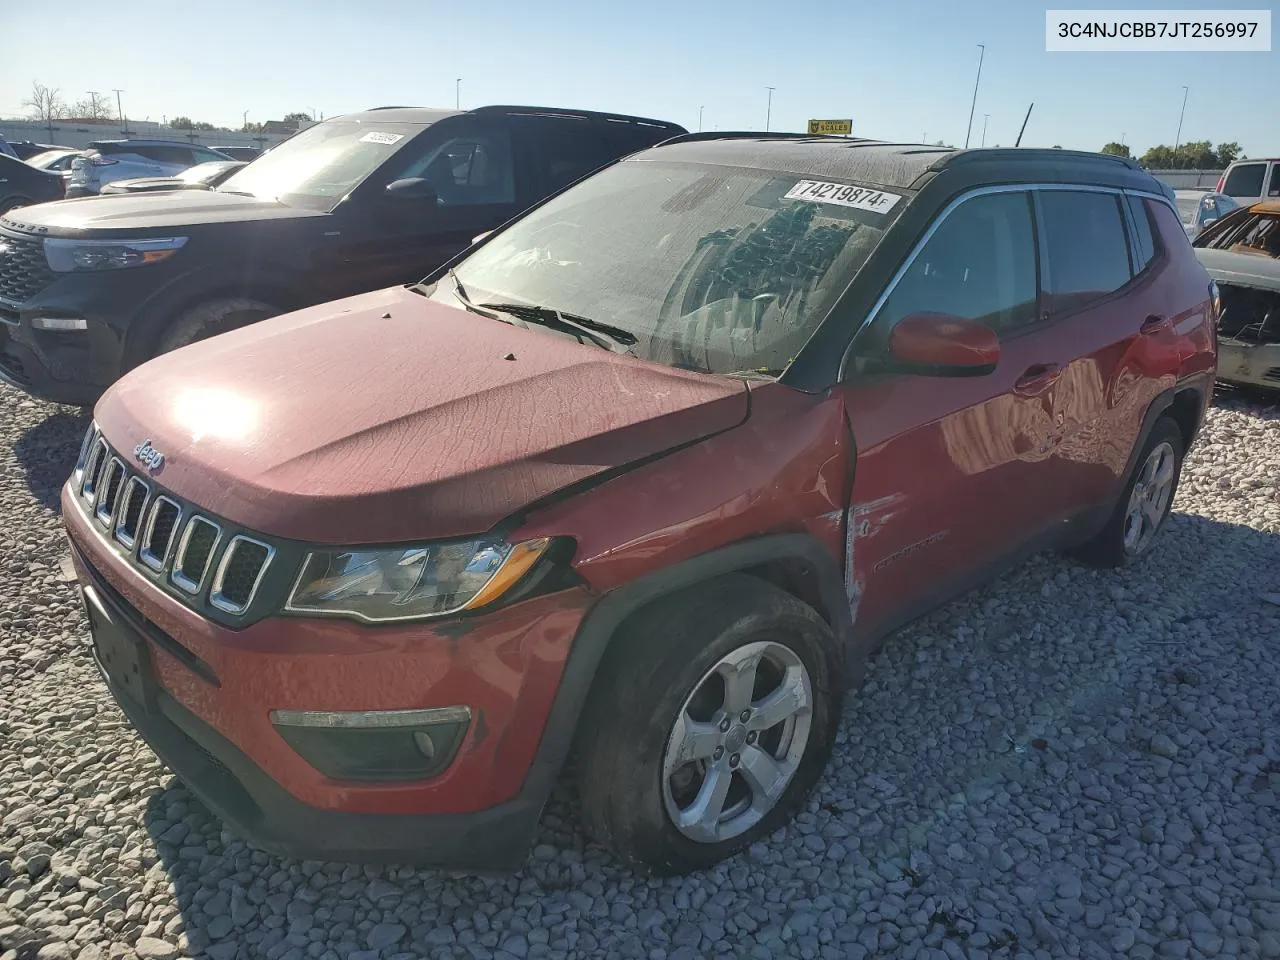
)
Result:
{"points": [[660, 673], [12, 203], [1117, 545], [211, 318]]}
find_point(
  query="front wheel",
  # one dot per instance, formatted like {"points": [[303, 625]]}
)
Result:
{"points": [[12, 203], [1143, 507], [712, 719], [211, 318]]}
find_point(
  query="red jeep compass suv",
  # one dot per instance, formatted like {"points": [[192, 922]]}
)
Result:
{"points": [[645, 473]]}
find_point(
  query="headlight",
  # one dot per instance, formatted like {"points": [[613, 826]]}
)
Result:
{"points": [[67, 256], [407, 583]]}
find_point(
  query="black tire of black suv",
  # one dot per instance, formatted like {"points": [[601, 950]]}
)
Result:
{"points": [[211, 318], [1109, 548], [12, 203], [662, 658]]}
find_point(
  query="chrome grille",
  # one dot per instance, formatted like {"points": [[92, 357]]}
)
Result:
{"points": [[129, 515], [110, 483], [195, 551], [161, 534], [157, 535], [24, 271], [239, 573]]}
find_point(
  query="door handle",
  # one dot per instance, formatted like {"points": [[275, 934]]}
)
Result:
{"points": [[1154, 324], [1037, 379]]}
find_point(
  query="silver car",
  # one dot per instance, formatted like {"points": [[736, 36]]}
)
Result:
{"points": [[106, 161], [1199, 208]]}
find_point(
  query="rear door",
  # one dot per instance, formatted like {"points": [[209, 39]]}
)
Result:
{"points": [[950, 471], [559, 150], [472, 165], [1106, 319]]}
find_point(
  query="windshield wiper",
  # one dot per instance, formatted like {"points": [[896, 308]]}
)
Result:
{"points": [[583, 327], [460, 292]]}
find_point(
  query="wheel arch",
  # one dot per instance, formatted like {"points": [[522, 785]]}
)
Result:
{"points": [[798, 564], [279, 288]]}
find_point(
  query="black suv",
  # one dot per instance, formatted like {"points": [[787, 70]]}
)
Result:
{"points": [[91, 288]]}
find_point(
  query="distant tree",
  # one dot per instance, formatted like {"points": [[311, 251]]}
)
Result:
{"points": [[296, 117], [203, 125], [1229, 153], [182, 123], [1057, 146], [94, 107], [1159, 157], [45, 103], [251, 127], [1195, 155], [1114, 149]]}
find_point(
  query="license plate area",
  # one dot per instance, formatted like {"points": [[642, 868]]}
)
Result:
{"points": [[122, 657]]}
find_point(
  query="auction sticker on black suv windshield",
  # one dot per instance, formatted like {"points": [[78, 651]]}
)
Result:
{"points": [[819, 191]]}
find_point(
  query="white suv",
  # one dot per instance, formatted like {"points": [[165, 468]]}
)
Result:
{"points": [[108, 160]]}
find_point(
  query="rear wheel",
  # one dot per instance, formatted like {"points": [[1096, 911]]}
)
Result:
{"points": [[1144, 506], [710, 723], [211, 318]]}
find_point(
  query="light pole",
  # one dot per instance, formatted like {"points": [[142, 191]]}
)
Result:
{"points": [[1177, 140], [985, 118], [124, 129], [245, 126], [982, 52], [700, 109], [457, 94], [768, 111]]}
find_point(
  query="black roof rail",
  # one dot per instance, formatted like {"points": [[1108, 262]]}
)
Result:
{"points": [[571, 112], [745, 135], [1039, 153]]}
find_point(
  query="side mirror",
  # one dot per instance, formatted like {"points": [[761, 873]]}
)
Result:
{"points": [[412, 190], [940, 345], [480, 236]]}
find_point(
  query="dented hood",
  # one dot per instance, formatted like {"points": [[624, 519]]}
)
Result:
{"points": [[387, 417]]}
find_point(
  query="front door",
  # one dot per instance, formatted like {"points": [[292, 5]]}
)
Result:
{"points": [[950, 470], [476, 177]]}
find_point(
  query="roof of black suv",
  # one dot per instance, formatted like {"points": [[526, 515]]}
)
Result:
{"points": [[906, 166], [430, 115]]}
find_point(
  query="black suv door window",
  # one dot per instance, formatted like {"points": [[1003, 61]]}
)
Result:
{"points": [[469, 169], [178, 156], [1085, 245], [564, 149], [979, 264]]}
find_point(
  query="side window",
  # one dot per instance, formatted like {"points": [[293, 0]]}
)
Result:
{"points": [[204, 156], [469, 169], [1274, 189], [1142, 232], [1085, 246], [1245, 180], [979, 264], [566, 149], [179, 156]]}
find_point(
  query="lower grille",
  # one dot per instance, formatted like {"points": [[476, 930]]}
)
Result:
{"points": [[1272, 374], [14, 369], [24, 271]]}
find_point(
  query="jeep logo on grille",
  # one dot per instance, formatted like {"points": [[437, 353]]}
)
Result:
{"points": [[148, 456]]}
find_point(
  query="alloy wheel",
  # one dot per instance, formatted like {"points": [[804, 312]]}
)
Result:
{"points": [[737, 742], [1149, 499]]}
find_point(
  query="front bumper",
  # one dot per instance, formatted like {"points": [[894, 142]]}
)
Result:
{"points": [[1249, 364], [213, 727]]}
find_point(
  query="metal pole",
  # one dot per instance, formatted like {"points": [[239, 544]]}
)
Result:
{"points": [[457, 94], [124, 129], [1177, 141], [768, 113], [245, 126], [982, 52], [700, 109], [985, 118]]}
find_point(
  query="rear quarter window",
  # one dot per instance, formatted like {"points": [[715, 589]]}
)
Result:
{"points": [[1143, 236], [1245, 180]]}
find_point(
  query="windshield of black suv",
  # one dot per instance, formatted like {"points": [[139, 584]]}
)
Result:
{"points": [[319, 166], [711, 268]]}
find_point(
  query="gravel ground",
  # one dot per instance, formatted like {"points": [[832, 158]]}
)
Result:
{"points": [[1064, 764]]}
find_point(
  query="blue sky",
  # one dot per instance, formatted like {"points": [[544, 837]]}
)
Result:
{"points": [[902, 70]]}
